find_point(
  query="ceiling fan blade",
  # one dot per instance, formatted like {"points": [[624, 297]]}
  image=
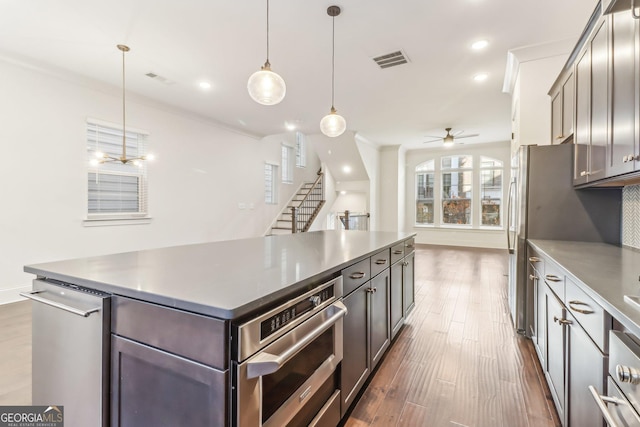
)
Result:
{"points": [[433, 136], [456, 133], [433, 140], [468, 136]]}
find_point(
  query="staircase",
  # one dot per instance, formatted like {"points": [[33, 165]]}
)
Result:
{"points": [[305, 205]]}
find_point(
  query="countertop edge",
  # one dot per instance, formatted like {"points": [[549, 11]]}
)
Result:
{"points": [[208, 310], [615, 310]]}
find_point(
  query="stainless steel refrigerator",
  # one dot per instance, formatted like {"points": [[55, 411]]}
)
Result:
{"points": [[543, 204]]}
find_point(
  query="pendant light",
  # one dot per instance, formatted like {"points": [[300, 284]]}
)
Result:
{"points": [[333, 124], [105, 158], [264, 86]]}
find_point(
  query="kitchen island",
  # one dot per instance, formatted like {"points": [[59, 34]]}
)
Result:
{"points": [[178, 314]]}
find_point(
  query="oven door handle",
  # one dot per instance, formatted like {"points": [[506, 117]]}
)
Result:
{"points": [[267, 363], [600, 400]]}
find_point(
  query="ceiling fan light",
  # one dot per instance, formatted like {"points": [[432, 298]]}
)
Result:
{"points": [[333, 124], [266, 87]]}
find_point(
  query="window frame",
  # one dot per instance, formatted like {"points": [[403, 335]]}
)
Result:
{"points": [[425, 168], [93, 145], [273, 187], [287, 162], [301, 150], [495, 167], [442, 199]]}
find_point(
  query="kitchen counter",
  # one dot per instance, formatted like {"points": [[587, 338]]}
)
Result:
{"points": [[228, 279], [605, 272]]}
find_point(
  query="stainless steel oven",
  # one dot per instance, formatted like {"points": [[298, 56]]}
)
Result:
{"points": [[285, 362], [621, 405]]}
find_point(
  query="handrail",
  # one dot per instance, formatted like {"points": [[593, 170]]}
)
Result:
{"points": [[308, 206], [313, 187]]}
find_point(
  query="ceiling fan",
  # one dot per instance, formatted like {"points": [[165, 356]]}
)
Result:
{"points": [[450, 138]]}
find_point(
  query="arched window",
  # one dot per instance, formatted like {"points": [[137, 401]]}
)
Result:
{"points": [[425, 176], [491, 173]]}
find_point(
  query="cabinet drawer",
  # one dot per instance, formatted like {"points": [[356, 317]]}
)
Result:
{"points": [[355, 275], [409, 246], [594, 319], [397, 253], [380, 261], [186, 334], [554, 278]]}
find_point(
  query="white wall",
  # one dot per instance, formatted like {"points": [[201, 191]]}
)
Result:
{"points": [[450, 235], [390, 163], [201, 174], [370, 154]]}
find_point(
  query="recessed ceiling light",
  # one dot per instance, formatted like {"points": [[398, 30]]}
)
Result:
{"points": [[290, 125], [479, 45], [204, 85], [346, 169], [343, 192], [480, 77]]}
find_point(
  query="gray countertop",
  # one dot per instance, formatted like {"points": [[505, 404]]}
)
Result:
{"points": [[222, 279], [605, 272]]}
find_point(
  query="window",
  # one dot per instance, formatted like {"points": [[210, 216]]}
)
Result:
{"points": [[270, 174], [116, 190], [287, 164], [301, 150], [457, 184], [491, 191], [425, 177]]}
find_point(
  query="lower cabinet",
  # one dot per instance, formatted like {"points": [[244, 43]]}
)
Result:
{"points": [[408, 283], [586, 366], [151, 387], [367, 334], [397, 300], [555, 314]]}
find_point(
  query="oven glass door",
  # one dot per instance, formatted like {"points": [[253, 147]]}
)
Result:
{"points": [[276, 383]]}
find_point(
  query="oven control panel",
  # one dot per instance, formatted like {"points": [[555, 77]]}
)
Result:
{"points": [[279, 320]]}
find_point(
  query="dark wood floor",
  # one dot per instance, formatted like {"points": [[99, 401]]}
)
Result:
{"points": [[457, 361]]}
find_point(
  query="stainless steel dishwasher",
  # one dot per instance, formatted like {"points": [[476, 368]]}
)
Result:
{"points": [[71, 351]]}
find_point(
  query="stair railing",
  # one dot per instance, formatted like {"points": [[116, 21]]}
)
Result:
{"points": [[355, 222], [303, 215]]}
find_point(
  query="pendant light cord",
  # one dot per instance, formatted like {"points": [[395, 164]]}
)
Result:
{"points": [[267, 63], [124, 132], [333, 59]]}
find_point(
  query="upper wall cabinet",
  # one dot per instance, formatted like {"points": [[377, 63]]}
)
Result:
{"points": [[562, 109], [591, 109], [606, 112]]}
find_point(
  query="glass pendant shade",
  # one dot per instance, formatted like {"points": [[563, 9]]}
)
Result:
{"points": [[333, 124], [266, 87]]}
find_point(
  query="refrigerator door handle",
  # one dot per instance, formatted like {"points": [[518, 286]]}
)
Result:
{"points": [[509, 201]]}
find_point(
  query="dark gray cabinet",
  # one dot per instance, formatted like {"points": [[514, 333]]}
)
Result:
{"points": [[562, 101], [355, 359], [586, 366], [408, 283], [555, 317], [397, 300], [591, 132], [151, 387], [623, 148], [366, 332]]}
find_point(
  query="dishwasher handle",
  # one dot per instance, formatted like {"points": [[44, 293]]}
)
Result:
{"points": [[33, 295], [267, 363]]}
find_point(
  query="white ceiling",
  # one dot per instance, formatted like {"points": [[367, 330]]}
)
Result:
{"points": [[224, 42]]}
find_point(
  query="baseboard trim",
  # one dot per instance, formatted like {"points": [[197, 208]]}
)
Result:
{"points": [[7, 296]]}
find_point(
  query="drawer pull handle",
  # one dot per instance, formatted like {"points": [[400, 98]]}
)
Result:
{"points": [[381, 261], [357, 275], [562, 321], [398, 252], [553, 278], [533, 277], [580, 310], [600, 400], [405, 263], [372, 290], [534, 259]]}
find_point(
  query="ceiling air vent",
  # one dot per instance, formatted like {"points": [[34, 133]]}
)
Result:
{"points": [[391, 59], [160, 79]]}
